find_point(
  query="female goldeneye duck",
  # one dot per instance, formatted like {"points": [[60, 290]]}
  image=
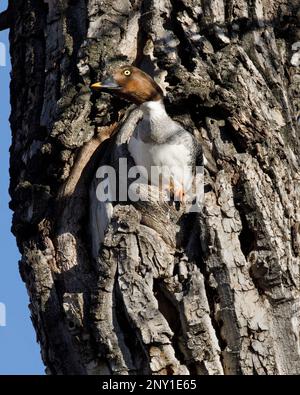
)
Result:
{"points": [[159, 145]]}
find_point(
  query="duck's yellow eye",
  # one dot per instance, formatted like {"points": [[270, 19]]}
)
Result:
{"points": [[127, 72]]}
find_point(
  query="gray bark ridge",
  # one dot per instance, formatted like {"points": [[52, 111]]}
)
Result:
{"points": [[216, 293]]}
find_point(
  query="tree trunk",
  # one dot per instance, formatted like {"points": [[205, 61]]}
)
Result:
{"points": [[209, 293]]}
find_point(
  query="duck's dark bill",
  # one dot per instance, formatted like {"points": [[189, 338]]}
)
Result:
{"points": [[108, 83]]}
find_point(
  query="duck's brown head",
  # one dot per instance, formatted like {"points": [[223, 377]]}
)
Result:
{"points": [[132, 84]]}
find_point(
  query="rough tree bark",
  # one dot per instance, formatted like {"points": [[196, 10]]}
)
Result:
{"points": [[216, 293]]}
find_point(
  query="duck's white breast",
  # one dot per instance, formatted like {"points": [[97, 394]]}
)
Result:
{"points": [[172, 160]]}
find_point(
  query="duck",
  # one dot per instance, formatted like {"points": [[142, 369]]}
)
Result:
{"points": [[165, 151]]}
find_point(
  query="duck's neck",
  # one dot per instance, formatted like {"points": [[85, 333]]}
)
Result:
{"points": [[154, 110], [156, 126]]}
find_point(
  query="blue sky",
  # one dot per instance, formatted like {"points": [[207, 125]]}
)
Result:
{"points": [[19, 351]]}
